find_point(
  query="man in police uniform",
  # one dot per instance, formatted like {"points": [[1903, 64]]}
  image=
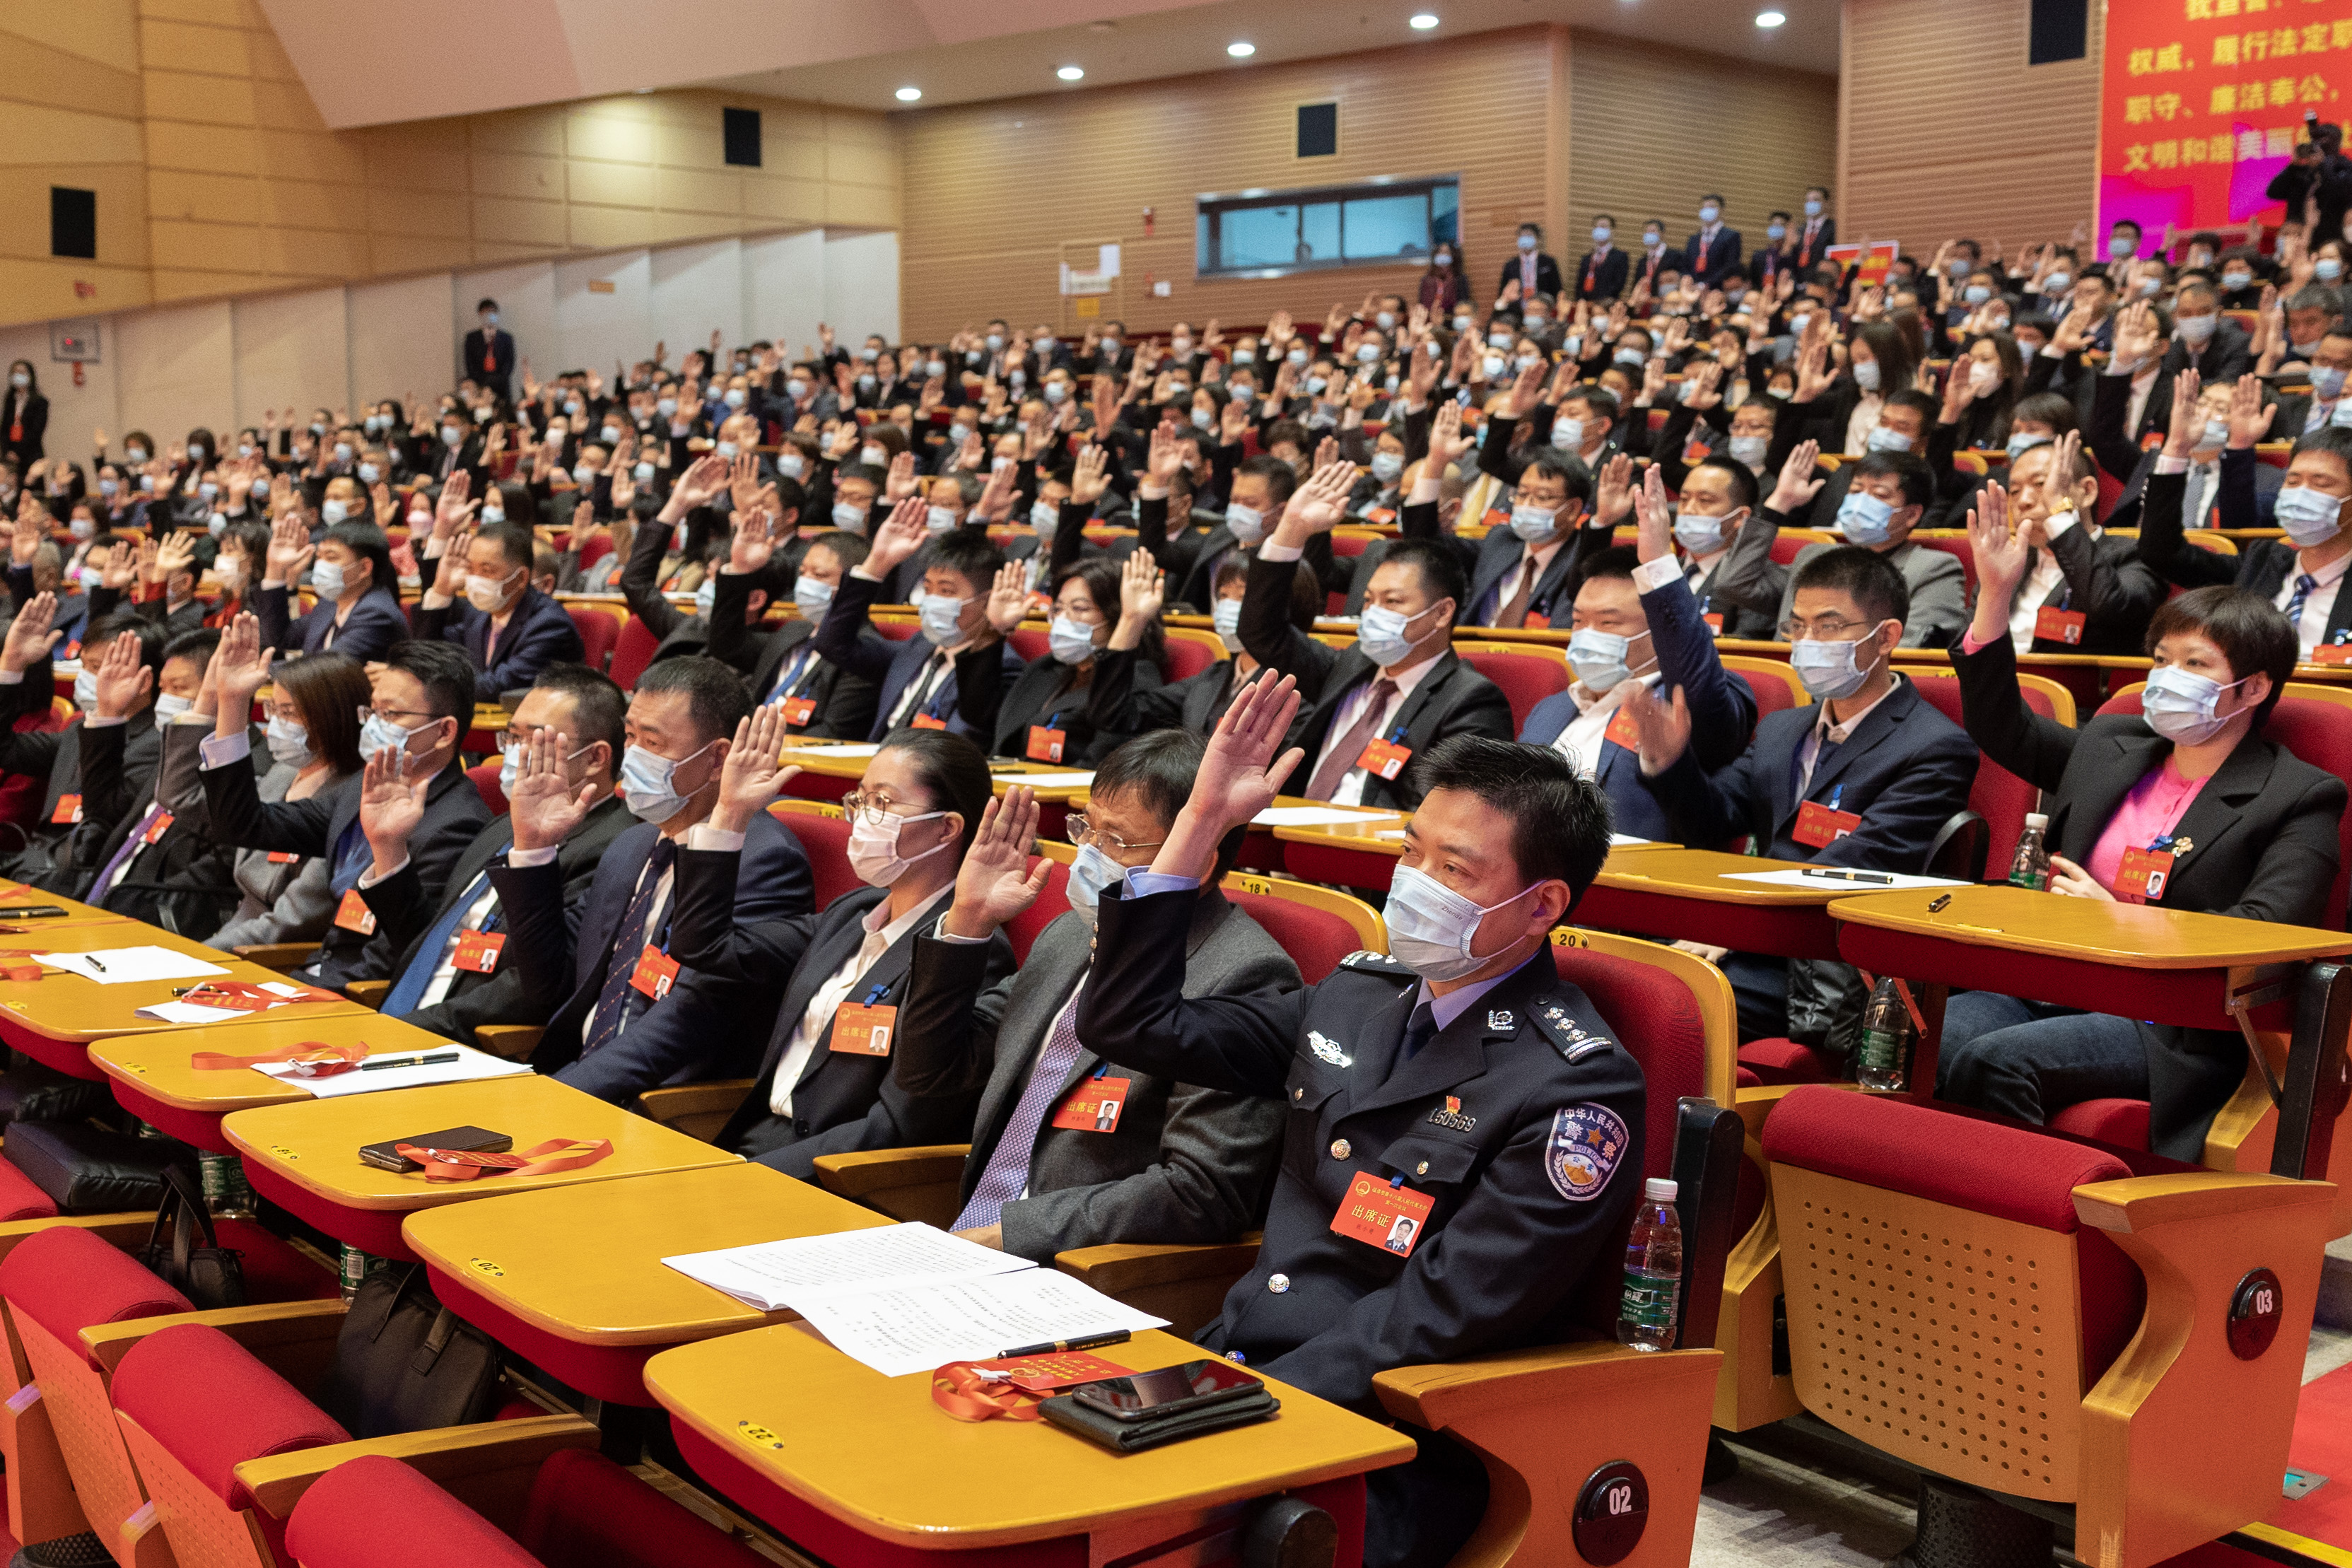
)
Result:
{"points": [[1460, 1085]]}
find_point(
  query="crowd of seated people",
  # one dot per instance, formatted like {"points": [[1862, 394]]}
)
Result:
{"points": [[1608, 451]]}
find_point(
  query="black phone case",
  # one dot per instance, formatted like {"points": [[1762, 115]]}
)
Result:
{"points": [[464, 1140]]}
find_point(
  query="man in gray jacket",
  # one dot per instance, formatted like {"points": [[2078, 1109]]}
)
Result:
{"points": [[1068, 1151]]}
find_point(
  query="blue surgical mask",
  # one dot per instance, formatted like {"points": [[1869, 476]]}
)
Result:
{"points": [[1045, 516], [1976, 293], [1827, 669], [493, 514], [2310, 517], [1597, 657], [735, 397], [1630, 356], [1776, 231], [327, 578], [1882, 439], [1699, 535], [1865, 375], [1865, 519], [792, 464], [642, 473], [289, 742], [648, 783], [1709, 213], [943, 617], [1387, 465], [2021, 445], [1568, 434], [2179, 704], [1749, 450], [332, 511], [1247, 523], [1069, 642], [1226, 616], [1533, 524], [812, 597], [379, 733], [1381, 635], [1090, 873], [849, 515], [666, 406], [939, 520], [1202, 419], [369, 473], [2121, 246], [1432, 927], [610, 434], [85, 690], [706, 595], [2326, 381]]}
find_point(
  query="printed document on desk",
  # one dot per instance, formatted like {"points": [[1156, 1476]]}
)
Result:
{"points": [[897, 1332], [468, 1066], [132, 965], [803, 1270], [1862, 882]]}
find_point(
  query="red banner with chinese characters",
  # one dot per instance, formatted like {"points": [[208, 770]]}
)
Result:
{"points": [[2201, 103]]}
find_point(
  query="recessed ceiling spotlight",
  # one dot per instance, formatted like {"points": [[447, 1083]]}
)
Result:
{"points": [[1769, 19], [910, 94], [1424, 22], [1242, 50], [1072, 73]]}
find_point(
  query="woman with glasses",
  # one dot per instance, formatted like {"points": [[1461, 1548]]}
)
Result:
{"points": [[1048, 714], [838, 976]]}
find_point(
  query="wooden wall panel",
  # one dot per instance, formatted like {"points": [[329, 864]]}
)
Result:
{"points": [[1945, 130], [71, 110], [992, 191], [1653, 129]]}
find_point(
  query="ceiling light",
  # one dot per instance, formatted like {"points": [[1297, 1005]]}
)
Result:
{"points": [[1769, 19], [910, 94], [1241, 51], [1072, 73], [1424, 22]]}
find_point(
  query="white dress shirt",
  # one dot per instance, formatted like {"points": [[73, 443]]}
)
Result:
{"points": [[2312, 624], [881, 933], [1581, 742]]}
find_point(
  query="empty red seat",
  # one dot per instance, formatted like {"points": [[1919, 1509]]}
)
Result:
{"points": [[825, 838], [66, 1279], [1317, 939], [599, 633], [632, 652], [20, 1198], [486, 784], [1527, 679], [2122, 1123], [1776, 1060]]}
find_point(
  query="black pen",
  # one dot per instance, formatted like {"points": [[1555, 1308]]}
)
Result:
{"points": [[1851, 876], [1117, 1336], [1937, 906], [409, 1062], [94, 964]]}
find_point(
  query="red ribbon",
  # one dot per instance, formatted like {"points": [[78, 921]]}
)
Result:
{"points": [[965, 1391], [311, 1058], [467, 1165]]}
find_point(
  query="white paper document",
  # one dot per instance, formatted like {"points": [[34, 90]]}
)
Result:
{"points": [[794, 1273], [187, 1012], [1315, 817], [1877, 882], [469, 1065], [845, 749], [130, 965], [1068, 780], [897, 1332]]}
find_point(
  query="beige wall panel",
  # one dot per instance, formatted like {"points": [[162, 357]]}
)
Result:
{"points": [[800, 160], [414, 253], [539, 130], [696, 191], [399, 337], [42, 287], [790, 201], [212, 13], [38, 73], [176, 369], [284, 106], [857, 164], [432, 214], [299, 155], [415, 162], [207, 198], [122, 210], [206, 99], [214, 149], [205, 246], [861, 207], [290, 351], [267, 59], [314, 253], [175, 284], [615, 138], [521, 174], [608, 229], [305, 204], [105, 31], [609, 184], [31, 134], [669, 228], [849, 126], [520, 223], [177, 46]]}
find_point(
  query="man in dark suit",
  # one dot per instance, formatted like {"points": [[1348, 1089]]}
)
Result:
{"points": [[358, 612], [920, 679], [75, 837], [1260, 489], [783, 666], [508, 627], [1369, 709], [1713, 253], [634, 1017], [821, 1087], [1532, 268], [2086, 591], [1523, 574], [1866, 776], [2204, 340], [1000, 1061], [2299, 414], [421, 704], [2133, 460], [1636, 624], [489, 353], [450, 975], [1603, 272], [1817, 233]]}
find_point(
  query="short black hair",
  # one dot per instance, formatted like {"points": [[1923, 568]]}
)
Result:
{"points": [[847, 547], [516, 544], [1156, 768], [1918, 480], [445, 671], [2054, 409], [1743, 482], [1279, 476], [2332, 439], [1594, 397], [1714, 196], [716, 698], [113, 624], [1439, 565], [598, 704], [970, 551], [1565, 467], [197, 645], [486, 305], [952, 773], [1559, 819], [1617, 560], [1873, 583], [2253, 634]]}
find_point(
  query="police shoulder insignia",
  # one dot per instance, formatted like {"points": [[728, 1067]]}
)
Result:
{"points": [[1569, 1037], [1328, 1050], [1378, 963], [1588, 1143]]}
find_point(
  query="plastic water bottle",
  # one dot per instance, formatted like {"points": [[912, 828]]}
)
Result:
{"points": [[1653, 1271], [2030, 868], [1885, 1055]]}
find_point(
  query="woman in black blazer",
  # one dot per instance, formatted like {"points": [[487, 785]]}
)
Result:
{"points": [[2187, 807], [1050, 704], [23, 416]]}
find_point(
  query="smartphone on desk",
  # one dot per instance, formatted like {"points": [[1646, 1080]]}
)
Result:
{"points": [[1169, 1391], [385, 1156]]}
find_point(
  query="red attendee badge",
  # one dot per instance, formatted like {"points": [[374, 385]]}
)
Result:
{"points": [[799, 710], [1384, 758], [1714, 623], [68, 809], [1388, 1218], [283, 858], [477, 950], [1095, 1106], [352, 914], [2331, 653], [1046, 745], [1624, 730], [1819, 827], [159, 827], [863, 1031], [2053, 625], [2143, 874], [655, 972], [925, 721]]}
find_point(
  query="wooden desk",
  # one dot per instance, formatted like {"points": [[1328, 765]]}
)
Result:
{"points": [[302, 1157], [904, 1485], [21, 895], [1685, 895], [573, 1277], [153, 1081], [1364, 854], [54, 1019]]}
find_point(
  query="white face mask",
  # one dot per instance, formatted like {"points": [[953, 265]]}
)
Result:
{"points": [[289, 742], [874, 850], [812, 597], [942, 619], [2179, 704], [1090, 873], [327, 577], [1865, 375], [1432, 927], [1829, 670], [1069, 642], [380, 733], [1599, 657], [1382, 634], [647, 783], [85, 690], [169, 707], [1247, 523], [1226, 616], [2310, 517], [485, 594]]}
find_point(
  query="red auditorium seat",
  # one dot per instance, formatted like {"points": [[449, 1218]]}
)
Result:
{"points": [[1188, 653], [486, 784], [1525, 676], [599, 633], [824, 832], [1031, 643], [1317, 926], [1955, 544], [1021, 931], [632, 652]]}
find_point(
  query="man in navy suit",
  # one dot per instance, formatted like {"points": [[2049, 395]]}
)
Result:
{"points": [[1864, 776], [1816, 234], [919, 678], [1601, 274], [1636, 624], [489, 353], [1523, 574], [1713, 253], [358, 612], [632, 1019], [508, 628]]}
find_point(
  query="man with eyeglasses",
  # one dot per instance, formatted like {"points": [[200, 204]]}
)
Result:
{"points": [[1001, 1061], [421, 700], [450, 975], [1863, 777]]}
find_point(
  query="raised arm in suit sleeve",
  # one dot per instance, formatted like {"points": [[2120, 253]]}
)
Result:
{"points": [[522, 652], [1268, 635], [1494, 451], [1993, 710], [641, 579], [2296, 873], [705, 936], [2237, 495], [840, 637], [1746, 575], [2103, 432], [1134, 1010], [269, 606], [403, 912], [2162, 544], [946, 1044], [240, 816], [1722, 705], [2113, 587], [1121, 705]]}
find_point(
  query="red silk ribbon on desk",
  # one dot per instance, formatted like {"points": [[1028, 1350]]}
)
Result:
{"points": [[16, 964], [310, 1058], [985, 1390], [238, 996], [544, 1159]]}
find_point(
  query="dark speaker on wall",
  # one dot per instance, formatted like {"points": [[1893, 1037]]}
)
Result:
{"points": [[1318, 129], [73, 222], [743, 128], [2058, 31]]}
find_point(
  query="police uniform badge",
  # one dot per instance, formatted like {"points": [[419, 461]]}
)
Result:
{"points": [[1328, 1050], [1588, 1143]]}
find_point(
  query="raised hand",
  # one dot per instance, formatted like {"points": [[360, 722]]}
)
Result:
{"points": [[1701, 387], [753, 773], [1654, 522], [2188, 425], [451, 511], [1090, 476], [1318, 505], [29, 638], [244, 669], [1165, 462], [1527, 391], [2250, 418], [900, 535], [449, 581], [995, 502], [753, 545], [1008, 597], [1244, 765], [289, 548], [389, 807], [1664, 728], [900, 482], [995, 883], [123, 678], [1612, 491], [1142, 589], [545, 806], [700, 485], [31, 529], [2003, 555], [743, 482], [117, 563], [1797, 485], [176, 554]]}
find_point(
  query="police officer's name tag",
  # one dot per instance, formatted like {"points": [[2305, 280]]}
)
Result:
{"points": [[1389, 1218], [1588, 1141]]}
